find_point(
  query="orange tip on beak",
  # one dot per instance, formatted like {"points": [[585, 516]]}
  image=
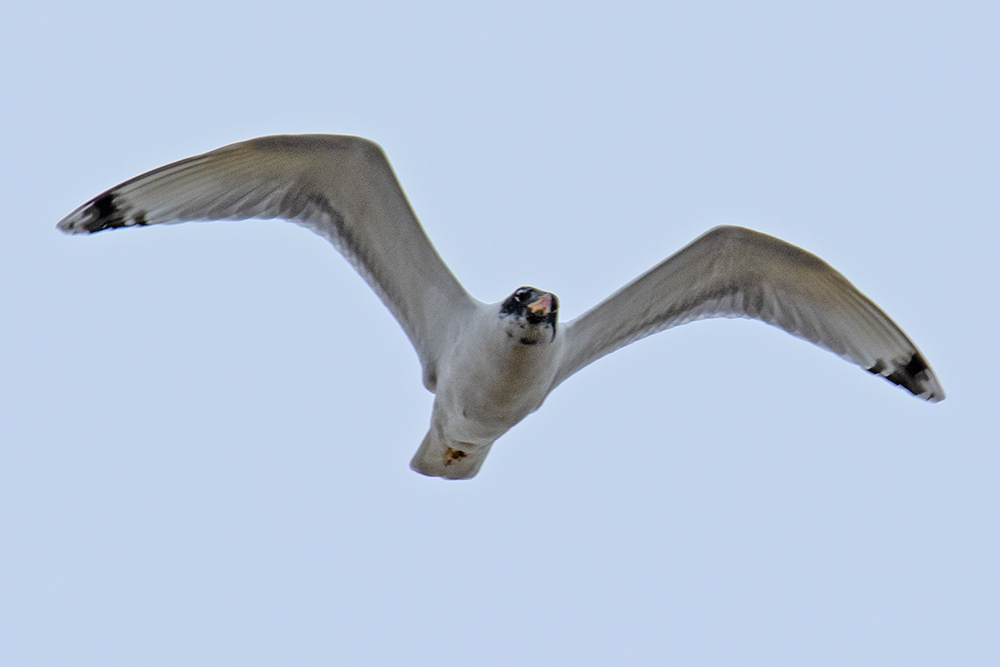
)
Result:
{"points": [[541, 306]]}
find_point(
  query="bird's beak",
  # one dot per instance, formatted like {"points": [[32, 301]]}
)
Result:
{"points": [[541, 306]]}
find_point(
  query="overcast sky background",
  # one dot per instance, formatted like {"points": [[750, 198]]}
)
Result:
{"points": [[206, 428]]}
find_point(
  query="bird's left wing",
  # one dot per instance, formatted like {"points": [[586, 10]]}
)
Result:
{"points": [[737, 272], [340, 187]]}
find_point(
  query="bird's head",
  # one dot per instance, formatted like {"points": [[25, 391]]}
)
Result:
{"points": [[529, 315]]}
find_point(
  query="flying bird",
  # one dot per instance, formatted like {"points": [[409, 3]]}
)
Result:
{"points": [[491, 365]]}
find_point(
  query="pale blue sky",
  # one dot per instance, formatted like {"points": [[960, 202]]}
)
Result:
{"points": [[206, 428]]}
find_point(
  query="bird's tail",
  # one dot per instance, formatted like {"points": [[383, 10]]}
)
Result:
{"points": [[436, 458]]}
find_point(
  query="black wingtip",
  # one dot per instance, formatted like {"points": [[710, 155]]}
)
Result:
{"points": [[106, 211], [914, 375]]}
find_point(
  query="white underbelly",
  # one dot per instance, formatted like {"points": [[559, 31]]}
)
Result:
{"points": [[481, 406]]}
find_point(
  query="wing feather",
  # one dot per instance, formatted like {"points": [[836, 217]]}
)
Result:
{"points": [[737, 272], [340, 187]]}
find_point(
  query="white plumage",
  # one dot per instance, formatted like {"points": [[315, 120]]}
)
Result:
{"points": [[490, 365]]}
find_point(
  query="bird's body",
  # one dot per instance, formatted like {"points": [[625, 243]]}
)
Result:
{"points": [[491, 365], [491, 379]]}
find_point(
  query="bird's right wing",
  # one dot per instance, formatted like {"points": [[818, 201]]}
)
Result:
{"points": [[340, 187], [737, 272]]}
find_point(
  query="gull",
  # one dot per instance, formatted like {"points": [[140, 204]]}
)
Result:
{"points": [[491, 365]]}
